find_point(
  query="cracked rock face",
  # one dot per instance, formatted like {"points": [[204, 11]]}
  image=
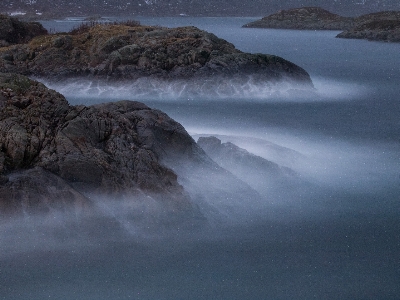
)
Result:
{"points": [[51, 150]]}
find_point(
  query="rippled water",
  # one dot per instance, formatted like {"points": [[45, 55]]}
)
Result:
{"points": [[343, 243]]}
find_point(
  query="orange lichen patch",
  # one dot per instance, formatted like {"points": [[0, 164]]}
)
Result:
{"points": [[6, 48], [101, 31], [107, 37]]}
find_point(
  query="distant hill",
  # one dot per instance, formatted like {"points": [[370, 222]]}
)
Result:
{"points": [[51, 8]]}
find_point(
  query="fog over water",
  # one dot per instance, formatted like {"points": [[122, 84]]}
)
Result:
{"points": [[334, 234]]}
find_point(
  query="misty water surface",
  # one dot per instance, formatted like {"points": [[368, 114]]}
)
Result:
{"points": [[339, 240]]}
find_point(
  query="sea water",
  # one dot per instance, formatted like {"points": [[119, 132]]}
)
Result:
{"points": [[343, 243]]}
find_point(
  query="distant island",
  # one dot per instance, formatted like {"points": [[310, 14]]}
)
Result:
{"points": [[309, 18], [381, 26], [129, 51]]}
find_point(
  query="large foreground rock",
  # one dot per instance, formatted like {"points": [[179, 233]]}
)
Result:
{"points": [[310, 18], [13, 31], [54, 156], [109, 149], [57, 151], [129, 51]]}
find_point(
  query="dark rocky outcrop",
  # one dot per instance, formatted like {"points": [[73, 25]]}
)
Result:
{"points": [[229, 156], [310, 18], [60, 152], [384, 30], [13, 31], [378, 16], [54, 156], [260, 173], [132, 52], [382, 26], [277, 184]]}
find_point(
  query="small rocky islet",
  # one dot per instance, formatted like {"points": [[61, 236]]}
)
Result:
{"points": [[55, 156], [380, 26], [308, 18], [129, 51]]}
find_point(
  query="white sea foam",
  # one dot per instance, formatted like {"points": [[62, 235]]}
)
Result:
{"points": [[332, 162], [330, 89], [146, 88], [218, 89]]}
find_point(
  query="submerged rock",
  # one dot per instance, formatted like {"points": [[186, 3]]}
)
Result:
{"points": [[38, 190], [13, 31], [310, 18], [125, 52], [262, 174]]}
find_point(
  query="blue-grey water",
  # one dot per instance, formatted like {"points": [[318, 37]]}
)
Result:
{"points": [[341, 243]]}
